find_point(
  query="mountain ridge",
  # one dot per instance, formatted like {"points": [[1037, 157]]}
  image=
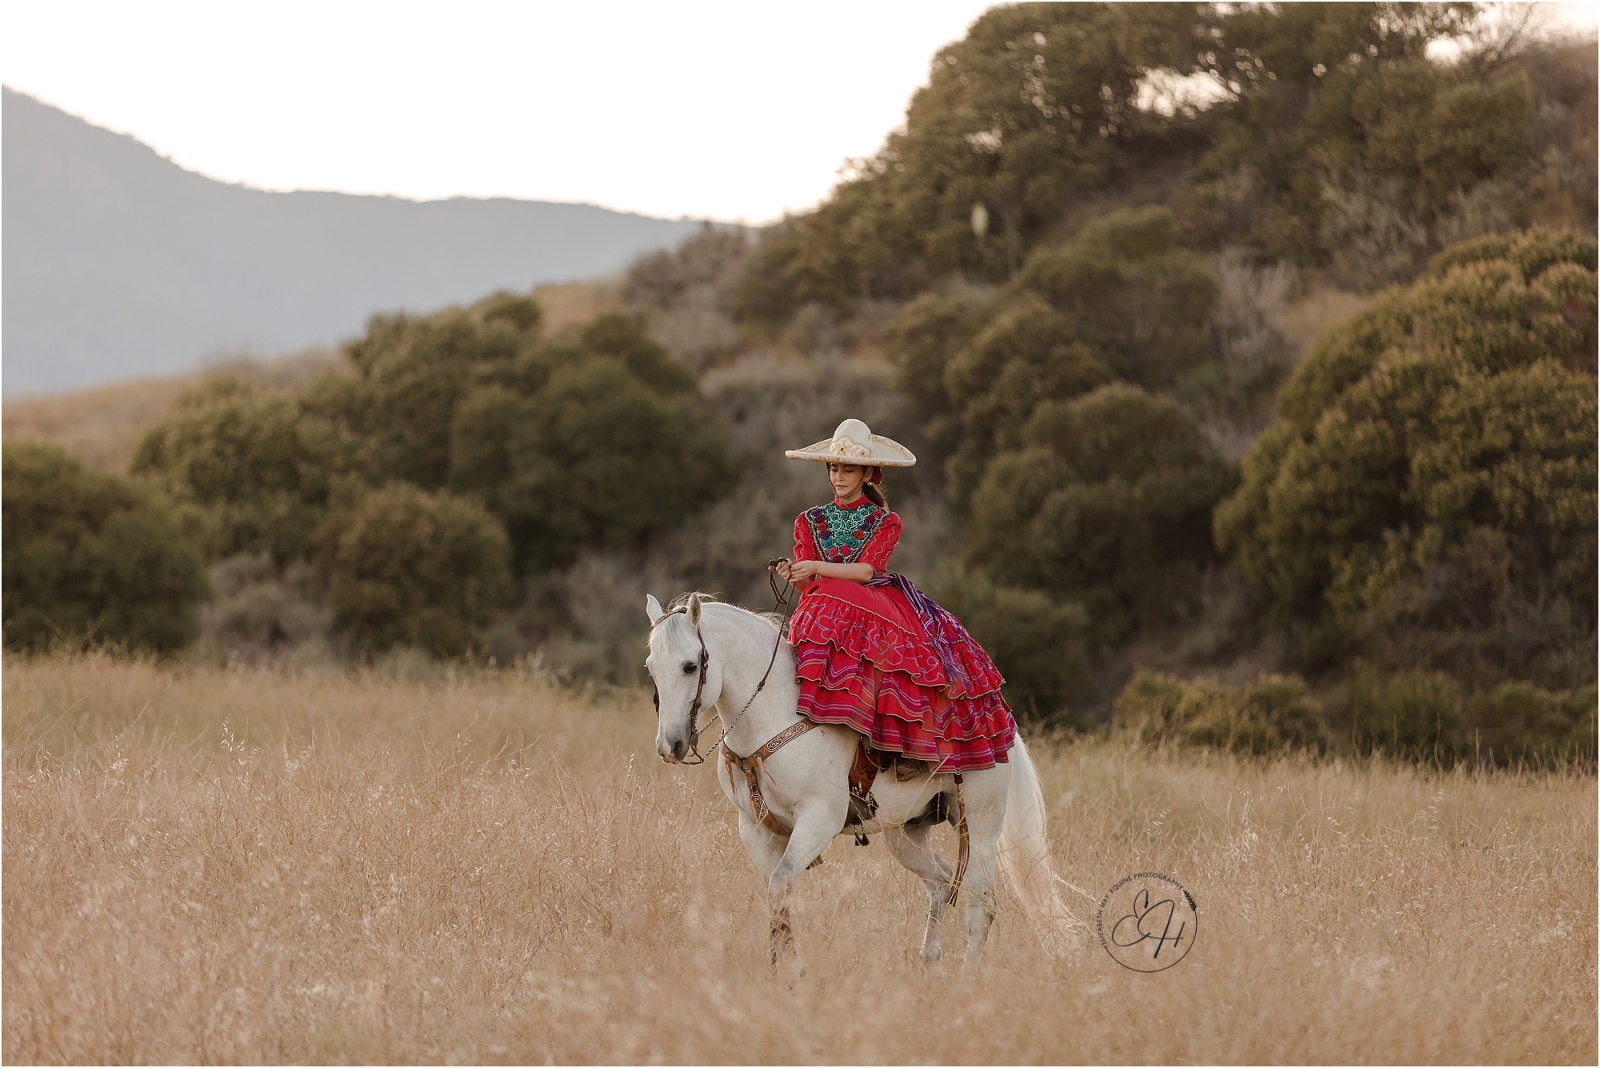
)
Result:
{"points": [[120, 263]]}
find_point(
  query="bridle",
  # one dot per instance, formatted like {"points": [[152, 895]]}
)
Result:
{"points": [[780, 599]]}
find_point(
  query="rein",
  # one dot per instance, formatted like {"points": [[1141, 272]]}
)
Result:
{"points": [[780, 599]]}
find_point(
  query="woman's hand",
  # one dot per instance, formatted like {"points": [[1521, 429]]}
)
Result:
{"points": [[799, 571], [802, 572]]}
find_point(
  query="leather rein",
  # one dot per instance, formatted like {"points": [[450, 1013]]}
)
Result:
{"points": [[780, 599]]}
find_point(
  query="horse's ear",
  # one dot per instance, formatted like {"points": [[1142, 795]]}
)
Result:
{"points": [[652, 608], [694, 609]]}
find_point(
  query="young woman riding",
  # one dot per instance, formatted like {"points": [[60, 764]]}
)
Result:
{"points": [[872, 651]]}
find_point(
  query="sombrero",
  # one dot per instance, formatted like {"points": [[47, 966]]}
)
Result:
{"points": [[853, 443]]}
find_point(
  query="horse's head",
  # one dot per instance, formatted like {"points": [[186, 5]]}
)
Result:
{"points": [[687, 677]]}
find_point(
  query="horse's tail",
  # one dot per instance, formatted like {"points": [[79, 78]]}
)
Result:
{"points": [[1024, 856]]}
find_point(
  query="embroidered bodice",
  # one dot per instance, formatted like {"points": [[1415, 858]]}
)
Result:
{"points": [[861, 532]]}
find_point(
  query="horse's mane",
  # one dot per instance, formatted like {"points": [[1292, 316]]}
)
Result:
{"points": [[681, 602]]}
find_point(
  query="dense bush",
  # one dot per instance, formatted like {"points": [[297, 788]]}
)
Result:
{"points": [[1430, 491], [261, 463], [1146, 301], [615, 442], [1120, 300], [412, 371], [596, 437], [1271, 714], [1026, 114], [1346, 147], [1414, 715], [261, 609], [1109, 503], [406, 567], [97, 557], [1327, 138], [1518, 721]]}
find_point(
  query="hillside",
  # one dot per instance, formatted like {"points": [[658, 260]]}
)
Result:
{"points": [[102, 425], [119, 264]]}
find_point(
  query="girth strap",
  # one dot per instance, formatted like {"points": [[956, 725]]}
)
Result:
{"points": [[758, 805], [964, 853], [863, 771], [750, 764]]}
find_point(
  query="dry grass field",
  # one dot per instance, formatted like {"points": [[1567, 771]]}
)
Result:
{"points": [[209, 865], [104, 425]]}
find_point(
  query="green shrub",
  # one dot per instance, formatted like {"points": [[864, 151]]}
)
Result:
{"points": [[596, 437], [1147, 708], [412, 371], [408, 567], [1145, 299], [263, 465], [1038, 645], [1109, 504], [1026, 354], [596, 457], [1414, 715], [101, 557], [1271, 714], [1519, 721], [920, 341], [1430, 492]]}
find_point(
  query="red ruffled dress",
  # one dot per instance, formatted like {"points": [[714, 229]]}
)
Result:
{"points": [[884, 658]]}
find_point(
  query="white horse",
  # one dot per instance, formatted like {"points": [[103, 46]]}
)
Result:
{"points": [[707, 654]]}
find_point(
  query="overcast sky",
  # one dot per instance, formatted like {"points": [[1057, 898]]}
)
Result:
{"points": [[723, 110]]}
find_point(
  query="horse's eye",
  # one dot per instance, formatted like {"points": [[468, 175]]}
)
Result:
{"points": [[688, 667]]}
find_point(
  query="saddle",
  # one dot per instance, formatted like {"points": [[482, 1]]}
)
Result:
{"points": [[864, 772]]}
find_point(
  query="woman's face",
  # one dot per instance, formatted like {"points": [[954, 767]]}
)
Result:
{"points": [[847, 480]]}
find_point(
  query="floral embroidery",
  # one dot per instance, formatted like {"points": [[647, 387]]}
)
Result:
{"points": [[840, 534]]}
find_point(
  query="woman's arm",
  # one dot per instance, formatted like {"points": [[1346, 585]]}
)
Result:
{"points": [[801, 572]]}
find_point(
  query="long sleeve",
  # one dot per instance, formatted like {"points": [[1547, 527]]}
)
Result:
{"points": [[882, 543], [804, 547]]}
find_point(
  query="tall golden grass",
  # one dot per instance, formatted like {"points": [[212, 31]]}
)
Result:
{"points": [[256, 865]]}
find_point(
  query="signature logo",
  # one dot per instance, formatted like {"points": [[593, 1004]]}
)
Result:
{"points": [[1147, 922]]}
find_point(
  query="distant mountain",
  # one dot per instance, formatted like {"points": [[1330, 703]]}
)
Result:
{"points": [[119, 263]]}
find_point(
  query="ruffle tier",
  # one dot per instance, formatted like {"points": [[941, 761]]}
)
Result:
{"points": [[878, 625], [897, 714]]}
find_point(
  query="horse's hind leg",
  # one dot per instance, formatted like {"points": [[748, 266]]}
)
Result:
{"points": [[911, 847], [979, 885]]}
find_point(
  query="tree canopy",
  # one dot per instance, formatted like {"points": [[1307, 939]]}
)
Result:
{"points": [[99, 557], [406, 567], [1431, 486], [1317, 134]]}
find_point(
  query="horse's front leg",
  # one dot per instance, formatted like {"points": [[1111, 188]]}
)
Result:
{"points": [[814, 828], [767, 851]]}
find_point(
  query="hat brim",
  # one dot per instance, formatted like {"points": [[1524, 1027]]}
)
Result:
{"points": [[886, 452]]}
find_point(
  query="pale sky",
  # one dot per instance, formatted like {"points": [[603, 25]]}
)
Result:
{"points": [[721, 110]]}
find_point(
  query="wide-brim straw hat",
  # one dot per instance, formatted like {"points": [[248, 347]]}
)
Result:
{"points": [[853, 443]]}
